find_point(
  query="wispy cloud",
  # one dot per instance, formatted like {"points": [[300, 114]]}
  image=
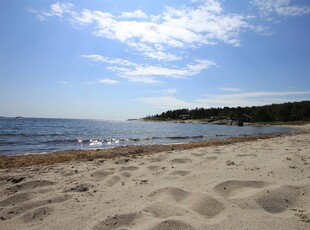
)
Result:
{"points": [[58, 9], [145, 73], [66, 83], [229, 89], [134, 14], [113, 61], [280, 7], [252, 98], [154, 36], [233, 100], [108, 81], [166, 102]]}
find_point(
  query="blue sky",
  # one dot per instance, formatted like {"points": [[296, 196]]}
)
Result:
{"points": [[119, 59]]}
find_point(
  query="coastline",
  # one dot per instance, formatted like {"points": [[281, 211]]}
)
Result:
{"points": [[25, 160], [47, 158], [251, 182]]}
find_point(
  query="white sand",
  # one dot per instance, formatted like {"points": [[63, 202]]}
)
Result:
{"points": [[253, 185]]}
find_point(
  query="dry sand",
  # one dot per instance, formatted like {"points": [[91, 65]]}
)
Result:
{"points": [[262, 184]]}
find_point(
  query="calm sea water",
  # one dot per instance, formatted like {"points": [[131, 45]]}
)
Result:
{"points": [[33, 135]]}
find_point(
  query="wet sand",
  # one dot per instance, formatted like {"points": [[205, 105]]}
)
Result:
{"points": [[260, 182]]}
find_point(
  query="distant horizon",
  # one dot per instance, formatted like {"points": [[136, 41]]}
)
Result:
{"points": [[35, 117], [120, 59]]}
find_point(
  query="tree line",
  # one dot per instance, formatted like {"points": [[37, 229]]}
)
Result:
{"points": [[291, 111]]}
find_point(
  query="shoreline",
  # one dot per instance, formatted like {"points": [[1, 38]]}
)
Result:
{"points": [[242, 183], [47, 158]]}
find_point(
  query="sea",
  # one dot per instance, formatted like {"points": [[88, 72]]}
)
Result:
{"points": [[42, 135]]}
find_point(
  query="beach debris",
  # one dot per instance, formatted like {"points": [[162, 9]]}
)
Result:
{"points": [[144, 181], [229, 162], [78, 188], [303, 217], [17, 180]]}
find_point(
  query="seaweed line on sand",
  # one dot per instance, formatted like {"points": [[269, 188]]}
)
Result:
{"points": [[128, 151]]}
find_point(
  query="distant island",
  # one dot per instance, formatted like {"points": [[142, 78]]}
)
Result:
{"points": [[298, 112]]}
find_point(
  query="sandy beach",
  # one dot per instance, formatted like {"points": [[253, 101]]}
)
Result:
{"points": [[245, 183]]}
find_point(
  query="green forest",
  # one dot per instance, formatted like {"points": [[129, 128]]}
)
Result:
{"points": [[291, 111]]}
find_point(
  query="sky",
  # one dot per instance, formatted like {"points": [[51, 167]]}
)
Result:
{"points": [[120, 59]]}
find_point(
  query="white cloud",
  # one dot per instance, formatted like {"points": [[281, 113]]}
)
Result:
{"points": [[108, 81], [155, 52], [169, 91], [57, 9], [149, 73], [232, 100], [134, 14], [250, 98], [191, 69], [113, 61], [280, 7], [167, 102], [153, 36], [229, 89]]}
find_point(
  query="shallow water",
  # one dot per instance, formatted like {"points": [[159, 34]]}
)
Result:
{"points": [[29, 135]]}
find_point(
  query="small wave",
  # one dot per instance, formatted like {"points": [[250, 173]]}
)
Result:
{"points": [[56, 141]]}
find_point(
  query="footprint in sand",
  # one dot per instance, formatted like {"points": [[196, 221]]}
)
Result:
{"points": [[172, 224], [246, 155], [113, 181], [180, 173], [156, 159], [278, 200], [101, 174], [118, 221], [30, 185], [17, 210], [37, 214], [198, 154], [273, 200], [129, 168], [202, 204], [180, 160], [79, 188], [163, 210], [154, 167], [211, 158], [236, 187], [126, 174], [16, 199]]}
